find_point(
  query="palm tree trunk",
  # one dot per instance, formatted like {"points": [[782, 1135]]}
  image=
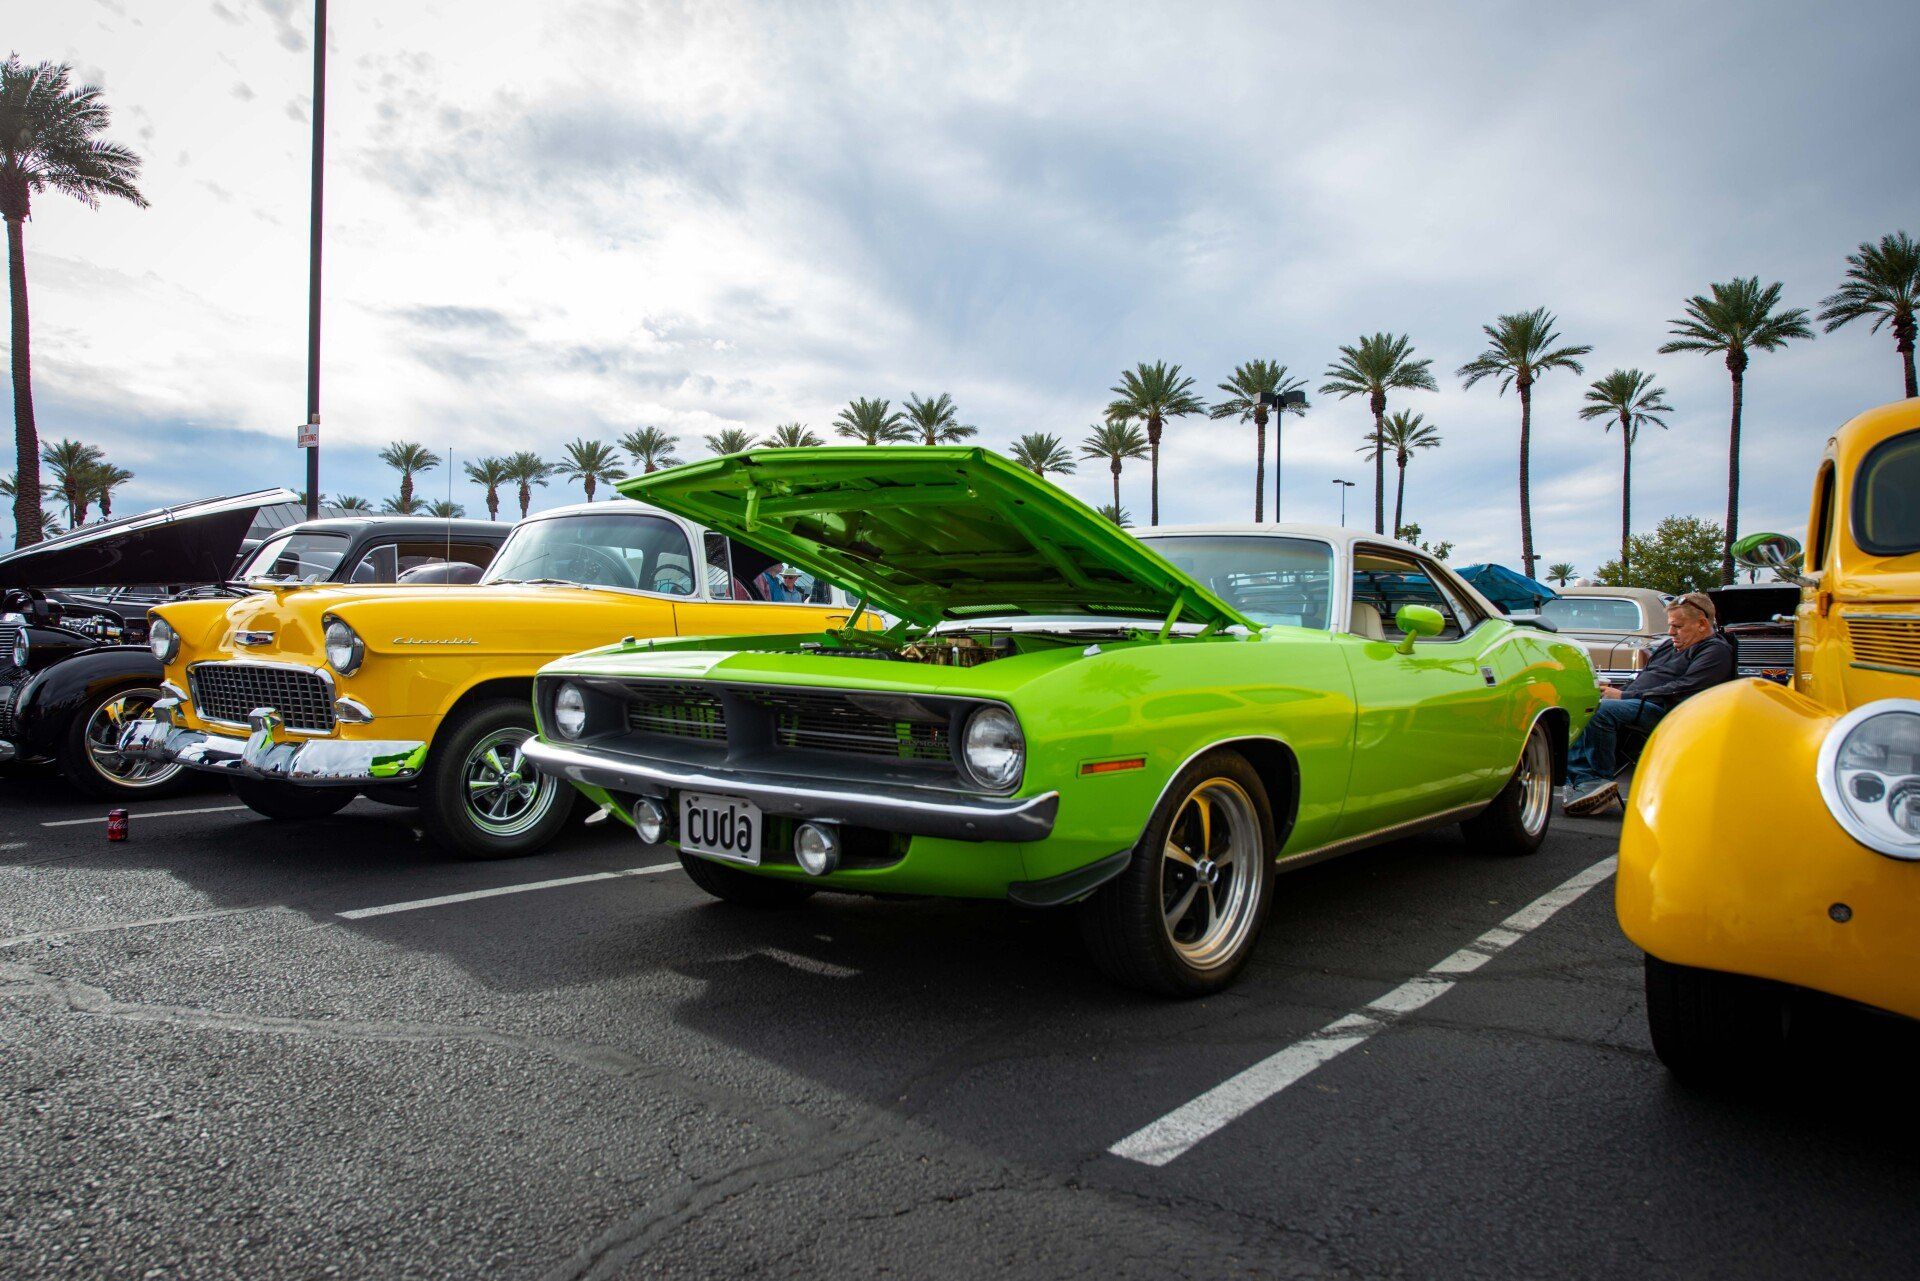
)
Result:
{"points": [[1733, 477], [1526, 500], [26, 438], [1279, 458], [1115, 469], [1903, 332], [526, 499], [1153, 445], [406, 488], [1380, 465], [587, 483], [1626, 497], [1259, 465], [493, 503], [1399, 496]]}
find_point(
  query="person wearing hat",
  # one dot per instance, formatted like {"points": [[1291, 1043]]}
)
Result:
{"points": [[1695, 656]]}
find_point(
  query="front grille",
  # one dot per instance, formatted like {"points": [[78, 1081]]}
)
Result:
{"points": [[677, 711], [1766, 651], [230, 691], [834, 723], [7, 694], [1886, 642], [9, 632]]}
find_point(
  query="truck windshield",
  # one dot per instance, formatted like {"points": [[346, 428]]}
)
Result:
{"points": [[295, 558], [614, 549], [1593, 614], [1886, 497], [1283, 582]]}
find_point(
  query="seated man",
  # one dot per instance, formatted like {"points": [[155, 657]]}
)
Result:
{"points": [[1693, 657]]}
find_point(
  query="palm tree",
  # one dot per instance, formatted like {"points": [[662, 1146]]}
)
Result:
{"points": [[590, 462], [936, 421], [46, 526], [489, 474], [1114, 441], [792, 436], [408, 459], [1628, 397], [73, 465], [1244, 391], [871, 422], [402, 505], [1560, 573], [651, 448], [446, 509], [1152, 394], [105, 479], [1373, 367], [1041, 453], [1117, 514], [49, 141], [527, 469], [730, 440], [1736, 317], [1883, 281], [1520, 348], [354, 503], [1401, 434]]}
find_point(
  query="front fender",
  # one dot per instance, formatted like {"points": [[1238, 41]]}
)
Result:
{"points": [[1730, 860], [48, 701]]}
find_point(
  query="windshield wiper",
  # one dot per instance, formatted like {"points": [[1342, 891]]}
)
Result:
{"points": [[549, 582]]}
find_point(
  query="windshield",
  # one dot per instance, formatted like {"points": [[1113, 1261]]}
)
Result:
{"points": [[295, 558], [615, 549], [1593, 614], [1274, 581], [1886, 498]]}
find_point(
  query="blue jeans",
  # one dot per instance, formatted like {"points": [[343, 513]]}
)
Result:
{"points": [[1595, 755]]}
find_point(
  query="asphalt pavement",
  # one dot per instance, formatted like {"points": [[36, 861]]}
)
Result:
{"points": [[234, 1047]]}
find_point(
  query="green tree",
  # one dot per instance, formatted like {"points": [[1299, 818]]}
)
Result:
{"points": [[104, 480], [409, 460], [792, 436], [730, 440], [446, 509], [590, 462], [1734, 319], [1560, 573], [49, 141], [1115, 442], [1041, 453], [1883, 281], [1410, 533], [490, 474], [527, 469], [1627, 397], [73, 465], [1520, 348], [1151, 394], [1244, 390], [1372, 367], [402, 505], [872, 422], [353, 503], [1681, 555], [1401, 434], [650, 448], [936, 421], [46, 526], [1117, 514]]}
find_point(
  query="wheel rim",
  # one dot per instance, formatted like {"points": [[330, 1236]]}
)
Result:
{"points": [[1536, 784], [506, 795], [1210, 874], [103, 741]]}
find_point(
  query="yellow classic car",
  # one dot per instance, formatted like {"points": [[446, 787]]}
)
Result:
{"points": [[307, 695], [1772, 841]]}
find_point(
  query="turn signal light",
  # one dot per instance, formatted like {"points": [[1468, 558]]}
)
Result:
{"points": [[1114, 767]]}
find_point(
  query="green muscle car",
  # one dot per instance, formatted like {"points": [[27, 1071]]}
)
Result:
{"points": [[1150, 725]]}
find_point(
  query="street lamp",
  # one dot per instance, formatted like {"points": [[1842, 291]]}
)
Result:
{"points": [[309, 437], [1280, 403], [1345, 485]]}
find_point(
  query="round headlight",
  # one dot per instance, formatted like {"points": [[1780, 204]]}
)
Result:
{"points": [[163, 641], [570, 711], [345, 649], [994, 751], [1870, 776]]}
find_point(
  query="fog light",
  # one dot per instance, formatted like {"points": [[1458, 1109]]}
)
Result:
{"points": [[649, 821], [817, 846]]}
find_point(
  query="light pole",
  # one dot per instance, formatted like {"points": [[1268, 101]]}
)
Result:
{"points": [[1280, 403], [310, 430], [1345, 485]]}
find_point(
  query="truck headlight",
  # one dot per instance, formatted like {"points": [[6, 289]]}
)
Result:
{"points": [[993, 749], [345, 650], [163, 641], [570, 711], [1870, 776]]}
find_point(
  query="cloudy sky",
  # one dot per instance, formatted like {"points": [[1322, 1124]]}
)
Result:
{"points": [[578, 217]]}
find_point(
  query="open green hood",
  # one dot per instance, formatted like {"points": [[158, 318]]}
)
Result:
{"points": [[931, 533]]}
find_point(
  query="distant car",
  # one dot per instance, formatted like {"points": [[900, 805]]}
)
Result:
{"points": [[1758, 619], [1616, 625]]}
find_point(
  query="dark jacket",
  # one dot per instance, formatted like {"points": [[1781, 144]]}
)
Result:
{"points": [[1673, 675]]}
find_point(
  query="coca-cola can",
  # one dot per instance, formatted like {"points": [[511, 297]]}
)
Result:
{"points": [[116, 825]]}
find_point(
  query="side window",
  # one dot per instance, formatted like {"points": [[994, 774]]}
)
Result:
{"points": [[427, 552], [1820, 547], [380, 564], [1382, 583], [720, 583], [1469, 614]]}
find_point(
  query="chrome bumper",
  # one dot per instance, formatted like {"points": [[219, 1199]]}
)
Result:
{"points": [[912, 811], [316, 762], [7, 751]]}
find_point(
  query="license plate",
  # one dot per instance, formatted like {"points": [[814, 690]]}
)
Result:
{"points": [[721, 827]]}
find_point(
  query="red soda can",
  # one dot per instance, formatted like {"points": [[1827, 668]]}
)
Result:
{"points": [[116, 825]]}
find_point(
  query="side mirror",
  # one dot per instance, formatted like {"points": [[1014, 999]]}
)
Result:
{"points": [[1415, 621], [1780, 553]]}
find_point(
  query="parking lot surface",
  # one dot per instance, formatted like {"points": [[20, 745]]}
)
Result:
{"points": [[236, 1047]]}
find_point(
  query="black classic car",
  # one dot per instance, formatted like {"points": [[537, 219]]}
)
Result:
{"points": [[74, 662]]}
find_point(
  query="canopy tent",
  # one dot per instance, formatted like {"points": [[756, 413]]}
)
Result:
{"points": [[1509, 589]]}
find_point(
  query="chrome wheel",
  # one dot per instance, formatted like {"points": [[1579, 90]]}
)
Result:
{"points": [[102, 735], [1209, 874], [506, 795], [1535, 781]]}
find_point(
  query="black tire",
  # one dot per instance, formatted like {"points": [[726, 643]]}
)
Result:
{"points": [[1713, 1029], [1516, 823], [287, 802], [1125, 923], [535, 808], [96, 774], [744, 888]]}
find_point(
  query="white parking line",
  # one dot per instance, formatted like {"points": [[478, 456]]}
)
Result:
{"points": [[81, 822], [1177, 1131], [387, 909]]}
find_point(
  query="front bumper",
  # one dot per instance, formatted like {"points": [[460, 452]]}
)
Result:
{"points": [[7, 751], [911, 811], [313, 762]]}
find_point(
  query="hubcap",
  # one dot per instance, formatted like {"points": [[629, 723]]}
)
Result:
{"points": [[1536, 784], [505, 794], [1210, 874], [103, 741]]}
